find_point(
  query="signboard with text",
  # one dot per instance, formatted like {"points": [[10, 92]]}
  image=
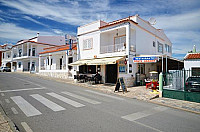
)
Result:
{"points": [[145, 59]]}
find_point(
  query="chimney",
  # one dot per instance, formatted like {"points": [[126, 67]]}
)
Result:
{"points": [[194, 49], [38, 34]]}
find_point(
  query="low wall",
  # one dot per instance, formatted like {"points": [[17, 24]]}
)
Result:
{"points": [[56, 74]]}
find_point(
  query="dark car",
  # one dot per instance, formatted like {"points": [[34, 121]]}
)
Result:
{"points": [[193, 84], [5, 69]]}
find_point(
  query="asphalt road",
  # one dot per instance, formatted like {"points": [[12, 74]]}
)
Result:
{"points": [[42, 105]]}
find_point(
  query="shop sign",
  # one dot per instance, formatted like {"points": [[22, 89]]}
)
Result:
{"points": [[145, 59]]}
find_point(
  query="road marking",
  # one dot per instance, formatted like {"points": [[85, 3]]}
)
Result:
{"points": [[7, 101], [93, 96], [142, 114], [26, 127], [147, 126], [47, 102], [2, 94], [25, 106], [138, 115], [14, 110], [17, 90], [110, 96], [66, 100], [81, 98]]}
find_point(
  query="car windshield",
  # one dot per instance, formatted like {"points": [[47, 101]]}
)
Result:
{"points": [[195, 79]]}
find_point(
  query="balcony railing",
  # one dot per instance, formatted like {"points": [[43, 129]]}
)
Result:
{"points": [[113, 48]]}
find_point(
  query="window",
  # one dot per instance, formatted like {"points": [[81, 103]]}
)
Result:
{"points": [[154, 44], [195, 71], [120, 40], [87, 43], [51, 61], [19, 64], [170, 49], [3, 55], [167, 48], [20, 52], [29, 52], [33, 52], [160, 47], [141, 68]]}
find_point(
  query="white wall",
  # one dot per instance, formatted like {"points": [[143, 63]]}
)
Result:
{"points": [[57, 40], [89, 53], [188, 64]]}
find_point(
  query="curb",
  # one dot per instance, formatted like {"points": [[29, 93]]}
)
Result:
{"points": [[179, 108], [11, 125]]}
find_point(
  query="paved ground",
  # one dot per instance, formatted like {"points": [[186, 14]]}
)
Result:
{"points": [[41, 105]]}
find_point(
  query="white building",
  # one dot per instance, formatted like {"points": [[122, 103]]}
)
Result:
{"points": [[24, 55], [54, 61], [192, 62], [110, 48]]}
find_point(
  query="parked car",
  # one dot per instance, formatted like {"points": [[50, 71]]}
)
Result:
{"points": [[5, 69], [193, 84]]}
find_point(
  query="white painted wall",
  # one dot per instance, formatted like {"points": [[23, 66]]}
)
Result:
{"points": [[188, 64], [57, 40]]}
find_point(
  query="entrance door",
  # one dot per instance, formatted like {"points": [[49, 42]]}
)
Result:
{"points": [[111, 73], [60, 63], [33, 66]]}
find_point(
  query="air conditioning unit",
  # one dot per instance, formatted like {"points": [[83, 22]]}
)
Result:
{"points": [[133, 48]]}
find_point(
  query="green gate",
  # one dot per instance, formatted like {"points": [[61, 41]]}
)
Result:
{"points": [[175, 86]]}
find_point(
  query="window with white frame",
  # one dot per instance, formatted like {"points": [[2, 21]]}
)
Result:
{"points": [[87, 43], [160, 47]]}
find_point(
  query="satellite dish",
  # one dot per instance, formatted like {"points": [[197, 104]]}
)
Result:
{"points": [[152, 21]]}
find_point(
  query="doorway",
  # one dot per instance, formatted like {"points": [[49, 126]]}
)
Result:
{"points": [[111, 73], [60, 63]]}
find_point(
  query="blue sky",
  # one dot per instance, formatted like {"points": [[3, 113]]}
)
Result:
{"points": [[21, 19]]}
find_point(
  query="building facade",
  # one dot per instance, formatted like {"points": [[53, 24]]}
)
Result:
{"points": [[54, 61], [109, 48], [24, 55]]}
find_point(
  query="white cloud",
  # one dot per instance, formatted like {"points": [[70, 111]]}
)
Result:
{"points": [[13, 32], [35, 21], [186, 21]]}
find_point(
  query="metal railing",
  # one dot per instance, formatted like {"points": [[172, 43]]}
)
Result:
{"points": [[113, 48]]}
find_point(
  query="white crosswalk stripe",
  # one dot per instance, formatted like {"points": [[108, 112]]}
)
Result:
{"points": [[66, 100], [25, 106], [81, 98], [106, 95], [53, 106]]}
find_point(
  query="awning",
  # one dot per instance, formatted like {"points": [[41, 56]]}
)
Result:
{"points": [[97, 61]]}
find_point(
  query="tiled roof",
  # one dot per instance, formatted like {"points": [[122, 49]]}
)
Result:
{"points": [[59, 49], [193, 56], [118, 22]]}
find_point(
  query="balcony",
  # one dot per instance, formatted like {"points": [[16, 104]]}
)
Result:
{"points": [[113, 48]]}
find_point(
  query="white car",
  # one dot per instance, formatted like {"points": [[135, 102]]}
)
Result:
{"points": [[5, 69]]}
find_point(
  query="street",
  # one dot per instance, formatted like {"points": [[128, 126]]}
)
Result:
{"points": [[43, 105]]}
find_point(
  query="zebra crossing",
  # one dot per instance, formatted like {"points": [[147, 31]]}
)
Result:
{"points": [[30, 110]]}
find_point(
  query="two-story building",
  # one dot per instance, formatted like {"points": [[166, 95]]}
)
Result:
{"points": [[110, 49], [24, 56]]}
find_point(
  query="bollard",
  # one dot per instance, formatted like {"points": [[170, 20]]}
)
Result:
{"points": [[160, 84]]}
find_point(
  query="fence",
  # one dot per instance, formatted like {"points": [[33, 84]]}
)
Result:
{"points": [[175, 86]]}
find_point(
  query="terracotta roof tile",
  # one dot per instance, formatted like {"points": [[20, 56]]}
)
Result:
{"points": [[193, 56], [59, 49]]}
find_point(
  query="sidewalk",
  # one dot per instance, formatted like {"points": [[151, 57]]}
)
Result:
{"points": [[5, 123]]}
